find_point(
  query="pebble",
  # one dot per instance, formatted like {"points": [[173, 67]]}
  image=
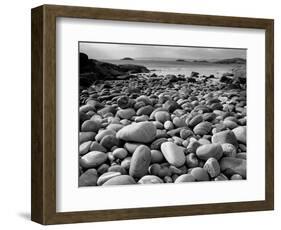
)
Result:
{"points": [[192, 160], [195, 120], [200, 174], [117, 168], [156, 156], [95, 146], [142, 132], [126, 113], [150, 179], [140, 161], [120, 180], [86, 136], [231, 165], [162, 116], [173, 153], [107, 176], [84, 147], [103, 133], [88, 178], [240, 134], [168, 125], [123, 102], [90, 126], [229, 150], [109, 141], [226, 136], [212, 167], [202, 128], [120, 153], [93, 159], [184, 178], [207, 151]]}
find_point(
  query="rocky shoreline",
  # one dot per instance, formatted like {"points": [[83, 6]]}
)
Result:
{"points": [[162, 129]]}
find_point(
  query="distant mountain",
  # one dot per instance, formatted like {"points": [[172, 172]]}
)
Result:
{"points": [[127, 59], [231, 61], [182, 60]]}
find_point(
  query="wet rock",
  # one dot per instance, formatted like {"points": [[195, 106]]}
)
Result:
{"points": [[241, 134], [207, 151], [93, 159], [173, 153], [140, 161], [226, 136], [88, 178]]}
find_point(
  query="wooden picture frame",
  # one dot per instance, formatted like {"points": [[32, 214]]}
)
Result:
{"points": [[43, 208]]}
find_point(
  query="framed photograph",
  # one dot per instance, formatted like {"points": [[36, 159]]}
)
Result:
{"points": [[141, 114]]}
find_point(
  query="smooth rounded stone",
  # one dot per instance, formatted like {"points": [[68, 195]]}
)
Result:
{"points": [[185, 178], [185, 133], [93, 159], [159, 170], [195, 120], [156, 156], [103, 133], [123, 102], [204, 152], [131, 147], [108, 141], [161, 133], [95, 146], [242, 121], [107, 109], [221, 177], [218, 128], [202, 128], [115, 127], [209, 117], [117, 168], [141, 118], [168, 125], [226, 136], [231, 165], [174, 132], [203, 108], [90, 126], [162, 116], [204, 141], [110, 157], [230, 124], [242, 155], [120, 180], [140, 161], [200, 174], [228, 150], [126, 113], [168, 179], [212, 166], [102, 169], [120, 153], [236, 177], [171, 106], [107, 176], [179, 122], [192, 160], [192, 146], [150, 179], [88, 178], [86, 136], [241, 134], [146, 110], [142, 132], [185, 143], [173, 153], [126, 163], [86, 108], [216, 106], [157, 143], [138, 105], [84, 147], [158, 125], [144, 99]]}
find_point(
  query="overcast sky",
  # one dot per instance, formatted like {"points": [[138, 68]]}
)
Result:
{"points": [[119, 51]]}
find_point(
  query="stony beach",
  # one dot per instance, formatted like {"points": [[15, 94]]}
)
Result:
{"points": [[142, 128]]}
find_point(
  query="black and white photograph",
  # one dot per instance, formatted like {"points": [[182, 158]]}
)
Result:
{"points": [[155, 114]]}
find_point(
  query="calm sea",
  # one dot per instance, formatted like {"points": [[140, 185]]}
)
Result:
{"points": [[178, 67]]}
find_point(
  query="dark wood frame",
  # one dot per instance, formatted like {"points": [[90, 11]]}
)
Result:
{"points": [[43, 205]]}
